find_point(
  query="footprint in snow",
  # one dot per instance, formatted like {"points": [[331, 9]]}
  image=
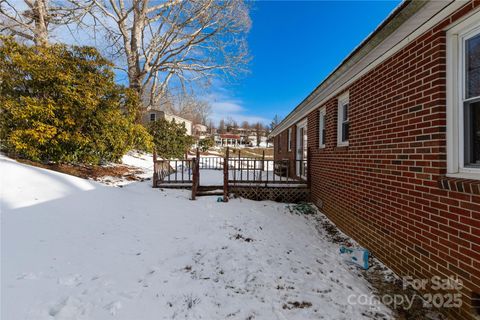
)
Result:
{"points": [[27, 276], [68, 308], [70, 280], [113, 307]]}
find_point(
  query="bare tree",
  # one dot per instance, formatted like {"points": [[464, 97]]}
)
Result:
{"points": [[221, 126], [275, 122], [231, 125], [173, 40], [258, 132], [33, 20], [192, 108], [211, 127], [30, 23], [235, 126]]}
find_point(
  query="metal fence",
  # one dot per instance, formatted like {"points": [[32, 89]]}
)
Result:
{"points": [[239, 170], [236, 172], [261, 171], [172, 172], [210, 163]]}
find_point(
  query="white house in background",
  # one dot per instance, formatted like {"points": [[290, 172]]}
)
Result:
{"points": [[239, 141], [199, 130], [228, 140], [253, 141], [154, 114]]}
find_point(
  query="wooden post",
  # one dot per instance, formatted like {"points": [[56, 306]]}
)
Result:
{"points": [[194, 179], [155, 169], [198, 167], [239, 166], [263, 160], [198, 164], [225, 177]]}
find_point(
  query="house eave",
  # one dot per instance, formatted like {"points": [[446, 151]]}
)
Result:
{"points": [[402, 26]]}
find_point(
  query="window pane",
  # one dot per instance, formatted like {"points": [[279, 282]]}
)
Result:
{"points": [[472, 134], [473, 67], [345, 132], [345, 112]]}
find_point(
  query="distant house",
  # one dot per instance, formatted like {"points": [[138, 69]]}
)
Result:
{"points": [[392, 138], [228, 140], [252, 138], [239, 138], [200, 130], [154, 114]]}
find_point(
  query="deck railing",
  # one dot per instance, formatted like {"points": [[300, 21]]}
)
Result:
{"points": [[173, 171], [211, 163], [261, 171], [237, 172]]}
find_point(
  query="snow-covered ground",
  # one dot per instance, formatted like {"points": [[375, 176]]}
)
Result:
{"points": [[77, 249], [140, 165]]}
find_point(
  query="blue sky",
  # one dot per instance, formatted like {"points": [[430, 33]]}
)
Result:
{"points": [[294, 46]]}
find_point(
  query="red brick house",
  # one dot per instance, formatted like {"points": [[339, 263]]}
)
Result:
{"points": [[393, 140]]}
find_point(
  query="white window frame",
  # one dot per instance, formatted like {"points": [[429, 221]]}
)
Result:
{"points": [[301, 153], [342, 100], [154, 116], [456, 37], [289, 139], [321, 126]]}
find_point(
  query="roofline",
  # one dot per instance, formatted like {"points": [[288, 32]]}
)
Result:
{"points": [[408, 7]]}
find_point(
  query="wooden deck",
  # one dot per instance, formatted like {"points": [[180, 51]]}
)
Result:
{"points": [[252, 178]]}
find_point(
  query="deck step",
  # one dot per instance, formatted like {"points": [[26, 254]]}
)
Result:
{"points": [[210, 193], [210, 188]]}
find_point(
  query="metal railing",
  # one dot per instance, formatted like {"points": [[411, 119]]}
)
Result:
{"points": [[237, 171], [210, 163], [261, 171], [172, 171]]}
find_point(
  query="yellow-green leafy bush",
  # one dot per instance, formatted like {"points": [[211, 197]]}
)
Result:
{"points": [[61, 104]]}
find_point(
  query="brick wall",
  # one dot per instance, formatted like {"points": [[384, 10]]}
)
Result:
{"points": [[281, 151], [388, 188]]}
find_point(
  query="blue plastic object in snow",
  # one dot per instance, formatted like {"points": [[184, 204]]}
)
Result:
{"points": [[357, 256]]}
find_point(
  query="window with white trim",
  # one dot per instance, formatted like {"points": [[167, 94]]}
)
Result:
{"points": [[471, 100], [153, 117], [322, 134], [289, 139], [463, 99], [343, 125]]}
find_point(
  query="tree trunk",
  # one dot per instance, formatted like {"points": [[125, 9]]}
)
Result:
{"points": [[41, 22], [135, 75]]}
